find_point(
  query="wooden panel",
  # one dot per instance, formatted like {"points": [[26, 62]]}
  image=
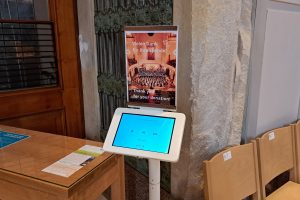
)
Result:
{"points": [[234, 178], [118, 188], [289, 191], [276, 152], [50, 122], [55, 110], [11, 191], [28, 102], [297, 139], [82, 190], [31, 184], [21, 165], [40, 150], [64, 16]]}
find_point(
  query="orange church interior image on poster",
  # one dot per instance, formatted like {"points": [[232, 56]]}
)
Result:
{"points": [[151, 61]]}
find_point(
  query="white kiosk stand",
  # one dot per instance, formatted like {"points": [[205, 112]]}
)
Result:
{"points": [[154, 179], [151, 134]]}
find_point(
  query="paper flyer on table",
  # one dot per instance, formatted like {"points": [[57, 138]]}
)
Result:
{"points": [[74, 161], [7, 138]]}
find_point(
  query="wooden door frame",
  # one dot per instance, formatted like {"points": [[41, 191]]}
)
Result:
{"points": [[65, 101], [64, 16]]}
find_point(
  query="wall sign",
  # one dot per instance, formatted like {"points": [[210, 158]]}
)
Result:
{"points": [[151, 66]]}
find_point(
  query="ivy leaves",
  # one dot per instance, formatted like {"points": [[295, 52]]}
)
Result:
{"points": [[109, 84], [134, 14]]}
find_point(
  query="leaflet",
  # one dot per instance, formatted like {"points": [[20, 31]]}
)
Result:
{"points": [[71, 163], [7, 138]]}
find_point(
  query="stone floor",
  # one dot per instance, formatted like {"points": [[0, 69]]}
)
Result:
{"points": [[136, 186]]}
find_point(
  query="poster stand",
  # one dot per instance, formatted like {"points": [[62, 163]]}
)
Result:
{"points": [[144, 133], [151, 74], [154, 179]]}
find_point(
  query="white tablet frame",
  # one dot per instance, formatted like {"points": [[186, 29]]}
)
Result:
{"points": [[175, 143]]}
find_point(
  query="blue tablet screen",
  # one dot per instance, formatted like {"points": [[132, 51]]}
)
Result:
{"points": [[144, 132]]}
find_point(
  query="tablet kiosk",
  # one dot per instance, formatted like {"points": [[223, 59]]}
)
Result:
{"points": [[146, 133]]}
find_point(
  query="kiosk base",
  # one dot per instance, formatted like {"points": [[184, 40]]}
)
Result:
{"points": [[154, 179], [152, 134]]}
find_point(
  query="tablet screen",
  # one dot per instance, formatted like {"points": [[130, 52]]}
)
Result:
{"points": [[144, 132]]}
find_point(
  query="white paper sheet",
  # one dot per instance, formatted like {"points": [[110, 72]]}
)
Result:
{"points": [[71, 163]]}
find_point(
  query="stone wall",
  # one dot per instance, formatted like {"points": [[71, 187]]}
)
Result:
{"points": [[215, 41]]}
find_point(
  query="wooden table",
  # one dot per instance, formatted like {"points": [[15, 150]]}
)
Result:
{"points": [[21, 164]]}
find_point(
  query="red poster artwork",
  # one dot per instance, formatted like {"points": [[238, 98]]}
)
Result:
{"points": [[151, 62]]}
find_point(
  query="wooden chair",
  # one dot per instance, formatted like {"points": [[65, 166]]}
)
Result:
{"points": [[297, 139], [276, 154], [233, 174]]}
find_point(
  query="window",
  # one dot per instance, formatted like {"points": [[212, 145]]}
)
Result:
{"points": [[27, 45]]}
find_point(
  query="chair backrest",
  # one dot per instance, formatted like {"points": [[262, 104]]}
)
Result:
{"points": [[297, 141], [276, 154], [232, 174]]}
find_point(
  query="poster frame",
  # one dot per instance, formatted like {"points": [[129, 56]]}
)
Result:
{"points": [[152, 29]]}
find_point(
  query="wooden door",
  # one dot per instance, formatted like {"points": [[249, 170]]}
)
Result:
{"points": [[57, 107]]}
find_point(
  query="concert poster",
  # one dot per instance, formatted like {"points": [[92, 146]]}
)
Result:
{"points": [[151, 66]]}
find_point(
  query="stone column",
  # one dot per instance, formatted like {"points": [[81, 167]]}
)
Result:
{"points": [[215, 39], [87, 44], [182, 18]]}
